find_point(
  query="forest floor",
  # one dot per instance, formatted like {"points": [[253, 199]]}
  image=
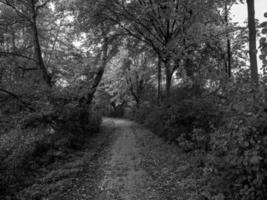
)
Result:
{"points": [[124, 161]]}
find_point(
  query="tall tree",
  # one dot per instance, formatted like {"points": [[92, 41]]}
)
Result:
{"points": [[252, 42], [263, 45], [38, 51], [27, 12]]}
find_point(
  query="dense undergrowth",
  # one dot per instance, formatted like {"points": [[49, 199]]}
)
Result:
{"points": [[35, 141], [229, 129]]}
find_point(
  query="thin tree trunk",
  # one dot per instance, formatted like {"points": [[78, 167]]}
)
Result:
{"points": [[252, 42], [96, 82], [37, 47], [168, 87], [229, 53], [159, 78], [229, 58], [136, 97], [168, 81]]}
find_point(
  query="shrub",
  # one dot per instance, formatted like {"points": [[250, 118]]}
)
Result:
{"points": [[40, 139], [21, 151], [140, 113], [241, 146], [187, 123]]}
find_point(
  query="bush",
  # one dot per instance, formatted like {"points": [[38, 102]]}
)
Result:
{"points": [[40, 139], [21, 151], [239, 143], [187, 123], [78, 123], [230, 127], [240, 146], [141, 112]]}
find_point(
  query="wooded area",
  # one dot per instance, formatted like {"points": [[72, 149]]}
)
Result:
{"points": [[179, 67]]}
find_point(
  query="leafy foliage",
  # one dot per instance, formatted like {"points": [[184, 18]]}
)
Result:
{"points": [[229, 127], [187, 123], [41, 138], [239, 144]]}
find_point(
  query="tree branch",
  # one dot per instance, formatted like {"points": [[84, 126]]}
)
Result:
{"points": [[28, 69], [9, 93], [16, 54], [24, 103]]}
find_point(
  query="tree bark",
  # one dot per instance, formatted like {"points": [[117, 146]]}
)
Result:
{"points": [[37, 46], [96, 82], [252, 42]]}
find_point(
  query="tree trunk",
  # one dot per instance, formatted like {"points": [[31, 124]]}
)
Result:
{"points": [[159, 78], [229, 53], [229, 58], [252, 42], [136, 98], [100, 72], [168, 87], [168, 80], [96, 82], [37, 47]]}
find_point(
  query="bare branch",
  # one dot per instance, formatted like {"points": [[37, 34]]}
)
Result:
{"points": [[9, 93], [20, 13], [28, 69], [17, 55]]}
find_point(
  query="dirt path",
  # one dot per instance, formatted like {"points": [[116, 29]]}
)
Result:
{"points": [[124, 161], [124, 177], [131, 163]]}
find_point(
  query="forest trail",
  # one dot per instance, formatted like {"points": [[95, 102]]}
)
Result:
{"points": [[132, 163], [124, 178]]}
